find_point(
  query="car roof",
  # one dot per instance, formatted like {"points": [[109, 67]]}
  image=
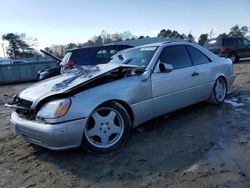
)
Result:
{"points": [[170, 42], [226, 37], [98, 47]]}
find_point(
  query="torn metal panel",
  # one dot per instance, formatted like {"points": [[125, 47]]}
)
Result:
{"points": [[74, 81], [78, 72]]}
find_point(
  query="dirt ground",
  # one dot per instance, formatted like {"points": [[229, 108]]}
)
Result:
{"points": [[200, 146]]}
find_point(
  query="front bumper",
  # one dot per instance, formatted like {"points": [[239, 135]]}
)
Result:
{"points": [[220, 53], [59, 136]]}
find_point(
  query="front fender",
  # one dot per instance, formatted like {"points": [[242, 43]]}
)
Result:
{"points": [[90, 100], [131, 90]]}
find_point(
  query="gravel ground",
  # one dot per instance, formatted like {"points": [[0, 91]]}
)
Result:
{"points": [[199, 146]]}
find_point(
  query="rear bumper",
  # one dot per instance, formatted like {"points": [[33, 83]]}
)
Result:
{"points": [[222, 54], [230, 81], [59, 136]]}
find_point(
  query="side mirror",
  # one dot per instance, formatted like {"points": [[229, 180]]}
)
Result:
{"points": [[164, 67]]}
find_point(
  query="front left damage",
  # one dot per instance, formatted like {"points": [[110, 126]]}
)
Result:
{"points": [[77, 80], [56, 133]]}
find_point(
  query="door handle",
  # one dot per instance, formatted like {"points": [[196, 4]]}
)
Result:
{"points": [[195, 74]]}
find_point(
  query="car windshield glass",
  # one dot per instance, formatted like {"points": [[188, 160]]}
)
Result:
{"points": [[136, 56]]}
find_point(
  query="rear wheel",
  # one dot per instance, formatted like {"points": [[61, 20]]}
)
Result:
{"points": [[219, 92], [107, 128], [233, 56]]}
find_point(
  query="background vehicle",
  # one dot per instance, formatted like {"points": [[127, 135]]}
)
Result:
{"points": [[49, 72], [10, 61], [96, 107], [233, 48], [19, 61], [5, 61], [81, 56], [90, 55]]}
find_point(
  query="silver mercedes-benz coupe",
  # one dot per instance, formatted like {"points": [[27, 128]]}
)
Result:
{"points": [[96, 107]]}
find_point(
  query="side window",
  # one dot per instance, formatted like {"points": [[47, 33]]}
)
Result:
{"points": [[177, 56], [102, 54], [113, 52], [197, 57], [240, 42], [246, 42], [212, 43], [229, 42]]}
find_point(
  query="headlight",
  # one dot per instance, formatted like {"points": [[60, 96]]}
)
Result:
{"points": [[54, 109]]}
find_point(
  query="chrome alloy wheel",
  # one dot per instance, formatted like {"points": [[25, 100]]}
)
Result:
{"points": [[105, 127], [220, 89]]}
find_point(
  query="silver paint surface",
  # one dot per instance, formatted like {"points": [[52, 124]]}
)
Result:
{"points": [[148, 95]]}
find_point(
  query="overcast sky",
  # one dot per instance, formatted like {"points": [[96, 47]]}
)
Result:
{"points": [[65, 21]]}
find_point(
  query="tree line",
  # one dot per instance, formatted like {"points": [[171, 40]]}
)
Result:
{"points": [[235, 31], [19, 45]]}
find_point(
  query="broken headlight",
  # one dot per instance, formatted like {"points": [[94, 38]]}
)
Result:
{"points": [[54, 109]]}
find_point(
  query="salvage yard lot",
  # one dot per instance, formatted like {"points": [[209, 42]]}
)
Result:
{"points": [[202, 145]]}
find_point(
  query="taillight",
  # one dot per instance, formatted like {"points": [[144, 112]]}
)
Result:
{"points": [[222, 49], [69, 64]]}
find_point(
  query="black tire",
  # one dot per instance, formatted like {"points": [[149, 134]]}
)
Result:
{"points": [[237, 59], [94, 143], [215, 98], [233, 56]]}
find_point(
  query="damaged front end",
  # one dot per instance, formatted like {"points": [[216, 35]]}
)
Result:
{"points": [[23, 108], [76, 80], [54, 112]]}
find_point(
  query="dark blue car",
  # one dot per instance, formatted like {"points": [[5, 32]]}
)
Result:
{"points": [[82, 56]]}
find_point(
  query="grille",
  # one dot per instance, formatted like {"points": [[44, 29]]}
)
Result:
{"points": [[23, 109], [23, 103]]}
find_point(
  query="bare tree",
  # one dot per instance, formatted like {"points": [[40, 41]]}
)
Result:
{"points": [[57, 50], [211, 33]]}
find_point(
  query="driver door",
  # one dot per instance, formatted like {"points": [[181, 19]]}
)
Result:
{"points": [[175, 89]]}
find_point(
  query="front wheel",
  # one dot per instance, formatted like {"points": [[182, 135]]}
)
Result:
{"points": [[219, 92], [107, 128]]}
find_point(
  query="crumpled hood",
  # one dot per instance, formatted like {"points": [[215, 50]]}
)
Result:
{"points": [[66, 81]]}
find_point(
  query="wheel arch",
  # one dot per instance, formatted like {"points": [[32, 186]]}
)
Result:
{"points": [[124, 105], [212, 99], [86, 144], [237, 57], [220, 76]]}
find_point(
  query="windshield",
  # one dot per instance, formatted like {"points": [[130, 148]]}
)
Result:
{"points": [[136, 56]]}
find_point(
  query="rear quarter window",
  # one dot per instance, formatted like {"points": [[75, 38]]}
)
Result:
{"points": [[198, 57], [83, 54], [212, 43]]}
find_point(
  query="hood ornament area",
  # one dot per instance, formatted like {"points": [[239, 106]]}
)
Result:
{"points": [[77, 72]]}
